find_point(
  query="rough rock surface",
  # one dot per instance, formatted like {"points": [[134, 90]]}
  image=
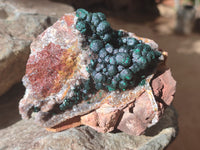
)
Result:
{"points": [[58, 64], [19, 25], [25, 135]]}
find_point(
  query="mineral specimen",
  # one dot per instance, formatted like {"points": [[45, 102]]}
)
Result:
{"points": [[81, 71]]}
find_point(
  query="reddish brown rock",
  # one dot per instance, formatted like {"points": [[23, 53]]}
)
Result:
{"points": [[168, 88], [137, 119], [131, 124], [103, 119]]}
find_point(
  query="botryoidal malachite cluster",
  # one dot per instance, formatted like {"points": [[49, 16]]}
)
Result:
{"points": [[121, 63]]}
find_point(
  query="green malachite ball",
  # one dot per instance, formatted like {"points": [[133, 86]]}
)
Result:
{"points": [[157, 54], [123, 84], [81, 26], [114, 83], [98, 77], [88, 17], [106, 37], [142, 62], [112, 60], [112, 70], [103, 27], [138, 49], [146, 49], [92, 62], [109, 48], [96, 45], [62, 107], [95, 19], [132, 42], [81, 13], [101, 16], [110, 88], [103, 53], [134, 68], [117, 77], [120, 33], [123, 59], [98, 86], [36, 109], [126, 74], [150, 56], [124, 40]]}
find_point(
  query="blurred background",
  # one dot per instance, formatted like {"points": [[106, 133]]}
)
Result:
{"points": [[173, 24]]}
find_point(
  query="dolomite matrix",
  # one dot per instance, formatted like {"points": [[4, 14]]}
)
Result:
{"points": [[83, 72]]}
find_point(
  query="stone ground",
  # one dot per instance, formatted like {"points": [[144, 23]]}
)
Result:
{"points": [[184, 56]]}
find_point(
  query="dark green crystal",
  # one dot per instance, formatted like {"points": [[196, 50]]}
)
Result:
{"points": [[98, 77], [36, 109], [123, 59], [110, 88], [123, 84], [95, 19], [81, 26], [134, 68], [132, 42], [81, 13], [96, 45], [103, 27], [101, 16], [103, 53], [112, 60], [142, 62], [89, 17], [112, 70], [126, 74], [106, 37]]}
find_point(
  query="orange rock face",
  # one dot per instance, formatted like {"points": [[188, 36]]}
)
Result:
{"points": [[55, 65]]}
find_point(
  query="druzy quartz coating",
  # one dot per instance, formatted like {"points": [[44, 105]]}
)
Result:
{"points": [[121, 62]]}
